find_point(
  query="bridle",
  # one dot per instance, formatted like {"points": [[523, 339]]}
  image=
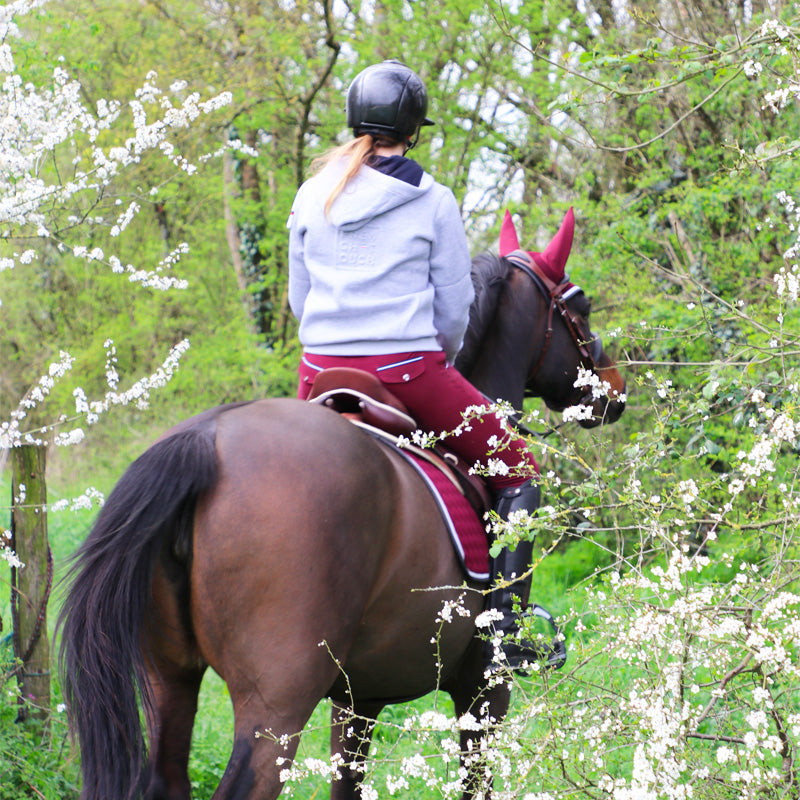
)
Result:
{"points": [[556, 295]]}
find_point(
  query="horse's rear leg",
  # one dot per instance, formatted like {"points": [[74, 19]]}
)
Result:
{"points": [[265, 743], [175, 693], [175, 671], [351, 733], [272, 702], [472, 695]]}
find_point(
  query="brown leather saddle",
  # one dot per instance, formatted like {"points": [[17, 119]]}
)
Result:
{"points": [[362, 398]]}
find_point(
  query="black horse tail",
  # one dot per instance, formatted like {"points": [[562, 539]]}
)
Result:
{"points": [[147, 516]]}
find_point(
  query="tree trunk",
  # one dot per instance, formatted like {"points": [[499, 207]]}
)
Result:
{"points": [[231, 230], [31, 582]]}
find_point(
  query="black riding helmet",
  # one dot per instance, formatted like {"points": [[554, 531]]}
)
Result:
{"points": [[387, 99]]}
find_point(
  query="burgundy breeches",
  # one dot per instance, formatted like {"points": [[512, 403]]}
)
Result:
{"points": [[436, 395]]}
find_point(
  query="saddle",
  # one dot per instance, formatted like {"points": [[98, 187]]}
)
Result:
{"points": [[362, 398]]}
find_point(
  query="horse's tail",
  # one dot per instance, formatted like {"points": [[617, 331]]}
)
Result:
{"points": [[147, 516]]}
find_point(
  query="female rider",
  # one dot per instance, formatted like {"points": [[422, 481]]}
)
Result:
{"points": [[379, 279]]}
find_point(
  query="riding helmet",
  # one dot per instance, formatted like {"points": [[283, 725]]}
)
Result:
{"points": [[387, 99]]}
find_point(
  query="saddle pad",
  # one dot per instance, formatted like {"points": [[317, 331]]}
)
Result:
{"points": [[466, 530]]}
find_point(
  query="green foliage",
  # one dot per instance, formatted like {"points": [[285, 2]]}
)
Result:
{"points": [[668, 542], [34, 761], [212, 734]]}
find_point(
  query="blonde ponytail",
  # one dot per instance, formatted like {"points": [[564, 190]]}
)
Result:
{"points": [[358, 152]]}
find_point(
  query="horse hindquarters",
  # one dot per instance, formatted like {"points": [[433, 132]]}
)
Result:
{"points": [[285, 554]]}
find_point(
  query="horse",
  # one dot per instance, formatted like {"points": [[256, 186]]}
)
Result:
{"points": [[281, 545]]}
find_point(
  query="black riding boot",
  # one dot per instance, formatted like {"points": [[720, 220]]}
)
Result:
{"points": [[506, 569]]}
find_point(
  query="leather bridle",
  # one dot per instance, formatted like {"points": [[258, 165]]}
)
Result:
{"points": [[556, 295]]}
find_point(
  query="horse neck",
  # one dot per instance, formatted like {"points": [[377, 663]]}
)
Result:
{"points": [[499, 381], [512, 344]]}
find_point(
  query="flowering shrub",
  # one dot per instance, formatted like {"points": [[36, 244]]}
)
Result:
{"points": [[55, 185], [683, 678], [59, 160]]}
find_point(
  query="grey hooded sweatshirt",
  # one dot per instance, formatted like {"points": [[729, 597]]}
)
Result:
{"points": [[387, 272]]}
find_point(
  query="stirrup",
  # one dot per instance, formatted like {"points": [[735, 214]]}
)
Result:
{"points": [[519, 657]]}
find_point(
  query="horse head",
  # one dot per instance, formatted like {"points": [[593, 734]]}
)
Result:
{"points": [[529, 332], [568, 366]]}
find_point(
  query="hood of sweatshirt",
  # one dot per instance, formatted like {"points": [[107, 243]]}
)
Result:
{"points": [[369, 194]]}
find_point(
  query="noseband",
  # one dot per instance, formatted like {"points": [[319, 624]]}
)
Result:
{"points": [[556, 295]]}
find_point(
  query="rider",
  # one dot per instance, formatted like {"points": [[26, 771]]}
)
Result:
{"points": [[379, 280]]}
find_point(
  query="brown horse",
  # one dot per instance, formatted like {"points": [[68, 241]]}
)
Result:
{"points": [[279, 544]]}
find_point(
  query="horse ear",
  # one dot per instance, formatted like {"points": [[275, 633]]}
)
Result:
{"points": [[508, 236], [554, 258]]}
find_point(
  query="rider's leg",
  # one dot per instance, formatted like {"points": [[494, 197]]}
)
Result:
{"points": [[511, 582], [437, 395], [507, 648]]}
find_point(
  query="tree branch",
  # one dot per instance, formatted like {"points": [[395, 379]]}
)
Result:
{"points": [[308, 100]]}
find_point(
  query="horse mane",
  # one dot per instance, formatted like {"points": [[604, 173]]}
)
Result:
{"points": [[489, 275]]}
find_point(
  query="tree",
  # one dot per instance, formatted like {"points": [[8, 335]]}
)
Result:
{"points": [[291, 65]]}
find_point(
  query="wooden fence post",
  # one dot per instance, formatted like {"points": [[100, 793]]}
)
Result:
{"points": [[31, 583]]}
